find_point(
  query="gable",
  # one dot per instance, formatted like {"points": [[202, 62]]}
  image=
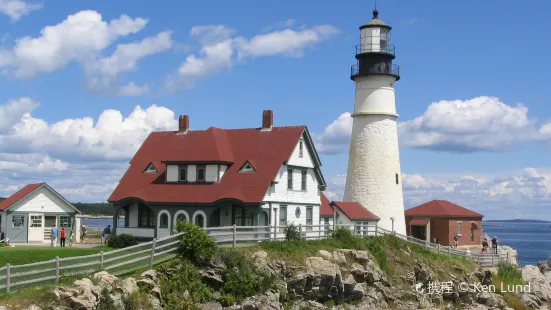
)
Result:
{"points": [[43, 200], [301, 155]]}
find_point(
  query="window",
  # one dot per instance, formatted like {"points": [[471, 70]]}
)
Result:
{"points": [[200, 220], [36, 220], [164, 221], [397, 179], [459, 228], [65, 221], [303, 184], [297, 212], [282, 217], [181, 217], [247, 167], [201, 173], [327, 227], [151, 169], [242, 217], [289, 178], [183, 173], [17, 221], [301, 148], [309, 216], [146, 218]]}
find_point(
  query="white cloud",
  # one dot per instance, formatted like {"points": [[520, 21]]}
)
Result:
{"points": [[220, 49], [478, 124], [410, 21], [82, 158], [522, 194], [104, 73], [78, 37], [15, 9]]}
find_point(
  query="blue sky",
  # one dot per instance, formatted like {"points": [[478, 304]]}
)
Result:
{"points": [[291, 57]]}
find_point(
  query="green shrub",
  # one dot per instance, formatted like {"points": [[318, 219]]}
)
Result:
{"points": [[342, 233], [227, 300], [196, 244], [121, 241], [178, 276], [510, 274], [291, 232]]}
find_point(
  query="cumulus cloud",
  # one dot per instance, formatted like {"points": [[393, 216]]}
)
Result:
{"points": [[478, 124], [82, 37], [104, 73], [83, 158], [220, 49], [521, 194], [15, 9]]}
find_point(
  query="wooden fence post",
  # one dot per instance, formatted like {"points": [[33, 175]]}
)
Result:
{"points": [[56, 269], [449, 250], [101, 260], [300, 230], [376, 230], [234, 235], [270, 233], [152, 255], [478, 263], [7, 278], [438, 248], [492, 259]]}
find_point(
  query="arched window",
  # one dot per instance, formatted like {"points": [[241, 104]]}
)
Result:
{"points": [[181, 217], [164, 221], [200, 220]]}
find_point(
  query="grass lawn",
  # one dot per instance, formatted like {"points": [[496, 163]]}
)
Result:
{"points": [[27, 255]]}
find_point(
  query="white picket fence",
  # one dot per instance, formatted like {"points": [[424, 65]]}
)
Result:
{"points": [[145, 255]]}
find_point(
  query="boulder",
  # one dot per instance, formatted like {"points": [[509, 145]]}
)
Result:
{"points": [[105, 280], [269, 301], [539, 286], [491, 300], [210, 306]]}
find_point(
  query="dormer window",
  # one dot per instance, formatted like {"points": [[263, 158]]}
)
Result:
{"points": [[201, 173], [301, 148], [183, 174], [150, 169], [247, 167]]}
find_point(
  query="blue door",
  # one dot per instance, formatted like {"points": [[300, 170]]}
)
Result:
{"points": [[17, 227]]}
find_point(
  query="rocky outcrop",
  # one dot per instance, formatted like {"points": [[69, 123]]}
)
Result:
{"points": [[86, 294], [508, 252], [539, 293]]}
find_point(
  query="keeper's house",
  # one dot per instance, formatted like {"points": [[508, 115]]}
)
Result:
{"points": [[220, 177], [347, 214], [29, 214]]}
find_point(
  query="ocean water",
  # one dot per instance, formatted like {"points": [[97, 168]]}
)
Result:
{"points": [[96, 224], [531, 240]]}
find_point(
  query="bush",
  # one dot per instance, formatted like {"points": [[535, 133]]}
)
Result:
{"points": [[196, 244], [291, 232], [510, 274], [121, 241], [342, 233], [180, 275]]}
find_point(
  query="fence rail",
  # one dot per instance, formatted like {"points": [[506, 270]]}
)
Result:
{"points": [[144, 255]]}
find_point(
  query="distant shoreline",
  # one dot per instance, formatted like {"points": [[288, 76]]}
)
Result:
{"points": [[517, 221], [90, 216]]}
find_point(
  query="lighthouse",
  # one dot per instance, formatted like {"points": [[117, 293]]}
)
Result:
{"points": [[373, 178]]}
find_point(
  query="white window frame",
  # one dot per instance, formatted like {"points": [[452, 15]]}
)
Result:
{"points": [[309, 221], [34, 217], [22, 217], [151, 169], [180, 168], [301, 148], [64, 219]]}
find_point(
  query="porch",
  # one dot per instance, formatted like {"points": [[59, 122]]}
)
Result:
{"points": [[147, 221]]}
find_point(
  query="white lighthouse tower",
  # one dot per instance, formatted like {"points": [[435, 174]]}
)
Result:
{"points": [[373, 177]]}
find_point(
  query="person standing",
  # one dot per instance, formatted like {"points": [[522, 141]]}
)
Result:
{"points": [[456, 241], [106, 233], [71, 238], [62, 236], [83, 234], [484, 246], [53, 236], [495, 242]]}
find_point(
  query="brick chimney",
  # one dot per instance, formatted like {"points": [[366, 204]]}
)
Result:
{"points": [[267, 120], [183, 124]]}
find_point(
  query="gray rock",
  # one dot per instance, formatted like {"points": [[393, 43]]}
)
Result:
{"points": [[210, 306], [491, 300], [150, 274]]}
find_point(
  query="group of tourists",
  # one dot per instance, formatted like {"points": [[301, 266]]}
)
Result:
{"points": [[485, 244], [55, 233], [62, 234]]}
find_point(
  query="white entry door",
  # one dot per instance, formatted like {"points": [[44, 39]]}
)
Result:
{"points": [[36, 227]]}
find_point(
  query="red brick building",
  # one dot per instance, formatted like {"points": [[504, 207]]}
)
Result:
{"points": [[439, 220]]}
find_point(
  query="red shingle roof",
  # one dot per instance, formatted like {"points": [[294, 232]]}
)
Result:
{"points": [[325, 208], [266, 150], [355, 210], [20, 194], [443, 208], [419, 222]]}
